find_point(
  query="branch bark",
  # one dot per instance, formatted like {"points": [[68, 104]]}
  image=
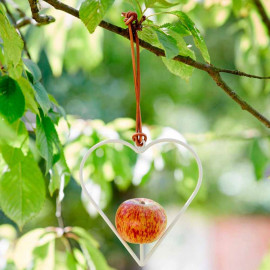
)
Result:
{"points": [[213, 71], [263, 14], [40, 18]]}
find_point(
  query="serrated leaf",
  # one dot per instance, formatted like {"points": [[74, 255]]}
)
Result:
{"points": [[29, 95], [198, 39], [46, 139], [148, 34], [22, 188], [178, 68], [12, 102], [92, 12], [181, 44], [42, 97], [25, 246], [34, 69], [168, 43], [259, 159], [13, 46], [177, 27]]}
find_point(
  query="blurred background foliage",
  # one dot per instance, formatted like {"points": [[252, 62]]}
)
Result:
{"points": [[90, 76]]}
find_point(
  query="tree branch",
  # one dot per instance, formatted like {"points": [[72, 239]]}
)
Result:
{"points": [[25, 21], [40, 18], [240, 73], [213, 71], [263, 14]]}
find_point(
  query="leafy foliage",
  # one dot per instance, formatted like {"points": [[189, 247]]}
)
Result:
{"points": [[47, 139], [259, 159], [22, 187], [12, 102], [35, 135], [198, 39], [21, 95], [168, 43], [12, 45], [92, 12]]}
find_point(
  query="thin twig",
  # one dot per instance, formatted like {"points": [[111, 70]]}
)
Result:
{"points": [[24, 21], [242, 74], [40, 18], [263, 14], [213, 71]]}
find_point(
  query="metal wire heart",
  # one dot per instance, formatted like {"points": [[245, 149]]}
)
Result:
{"points": [[139, 150]]}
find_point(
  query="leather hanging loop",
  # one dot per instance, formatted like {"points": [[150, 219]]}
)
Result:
{"points": [[131, 20]]}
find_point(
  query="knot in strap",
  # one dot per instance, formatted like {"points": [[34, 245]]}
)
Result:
{"points": [[139, 138]]}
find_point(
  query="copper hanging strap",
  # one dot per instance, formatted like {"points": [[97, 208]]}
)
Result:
{"points": [[139, 137]]}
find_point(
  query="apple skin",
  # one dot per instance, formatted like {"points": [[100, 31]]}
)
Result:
{"points": [[140, 221]]}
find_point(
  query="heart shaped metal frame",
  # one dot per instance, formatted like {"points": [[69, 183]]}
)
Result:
{"points": [[139, 150]]}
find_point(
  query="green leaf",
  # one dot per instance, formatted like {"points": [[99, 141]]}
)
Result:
{"points": [[92, 12], [25, 246], [198, 39], [178, 68], [168, 43], [12, 102], [34, 69], [7, 133], [20, 138], [13, 46], [136, 5], [44, 258], [29, 95], [12, 156], [236, 6], [80, 259], [83, 234], [94, 255], [177, 27], [258, 159], [159, 3], [181, 44], [148, 34], [42, 97], [22, 188], [59, 109], [71, 261], [46, 139]]}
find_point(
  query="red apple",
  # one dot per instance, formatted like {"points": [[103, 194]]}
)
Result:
{"points": [[140, 220]]}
